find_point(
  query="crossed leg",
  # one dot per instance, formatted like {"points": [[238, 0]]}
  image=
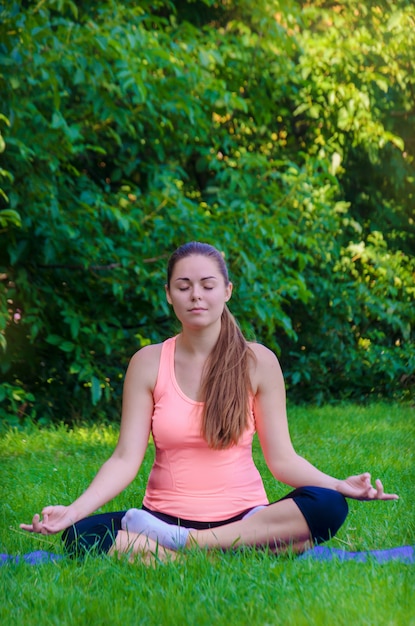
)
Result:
{"points": [[280, 526], [291, 524]]}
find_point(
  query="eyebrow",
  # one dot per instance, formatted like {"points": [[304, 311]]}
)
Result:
{"points": [[188, 279]]}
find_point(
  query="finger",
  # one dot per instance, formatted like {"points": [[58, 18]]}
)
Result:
{"points": [[379, 489], [364, 480], [34, 526], [44, 525], [39, 525], [381, 495], [27, 527], [390, 496], [47, 510]]}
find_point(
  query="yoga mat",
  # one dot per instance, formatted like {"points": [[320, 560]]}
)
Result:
{"points": [[31, 558], [402, 554]]}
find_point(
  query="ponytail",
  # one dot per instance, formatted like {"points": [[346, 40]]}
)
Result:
{"points": [[226, 386]]}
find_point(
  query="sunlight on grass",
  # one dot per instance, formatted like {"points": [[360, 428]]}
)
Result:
{"points": [[39, 467]]}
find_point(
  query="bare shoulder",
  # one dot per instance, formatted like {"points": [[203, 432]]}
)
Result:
{"points": [[263, 355], [266, 367], [148, 354], [144, 365]]}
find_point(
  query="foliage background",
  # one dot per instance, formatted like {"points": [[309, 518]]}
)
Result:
{"points": [[282, 132]]}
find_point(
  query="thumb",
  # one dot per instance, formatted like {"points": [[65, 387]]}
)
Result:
{"points": [[47, 510]]}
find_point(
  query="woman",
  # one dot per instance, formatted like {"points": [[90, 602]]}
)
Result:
{"points": [[202, 395]]}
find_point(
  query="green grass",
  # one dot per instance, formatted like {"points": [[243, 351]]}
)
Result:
{"points": [[40, 467]]}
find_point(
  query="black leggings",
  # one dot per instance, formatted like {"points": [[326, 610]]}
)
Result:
{"points": [[324, 511]]}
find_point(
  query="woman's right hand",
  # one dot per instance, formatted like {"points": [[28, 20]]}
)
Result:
{"points": [[53, 520]]}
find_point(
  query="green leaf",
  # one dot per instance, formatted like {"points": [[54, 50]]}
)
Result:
{"points": [[67, 346], [54, 340], [96, 390], [8, 216]]}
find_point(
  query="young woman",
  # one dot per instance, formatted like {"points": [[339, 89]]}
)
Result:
{"points": [[203, 394]]}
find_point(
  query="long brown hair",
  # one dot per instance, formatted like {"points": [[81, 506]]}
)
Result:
{"points": [[226, 383]]}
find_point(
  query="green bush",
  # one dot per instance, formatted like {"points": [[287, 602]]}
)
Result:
{"points": [[129, 128]]}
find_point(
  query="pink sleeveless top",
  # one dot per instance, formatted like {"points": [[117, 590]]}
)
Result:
{"points": [[189, 479]]}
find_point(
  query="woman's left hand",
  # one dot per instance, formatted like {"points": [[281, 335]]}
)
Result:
{"points": [[361, 488]]}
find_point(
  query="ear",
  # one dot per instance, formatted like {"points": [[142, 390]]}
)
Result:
{"points": [[229, 289], [167, 294]]}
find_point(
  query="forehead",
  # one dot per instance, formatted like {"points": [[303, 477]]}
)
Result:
{"points": [[195, 267]]}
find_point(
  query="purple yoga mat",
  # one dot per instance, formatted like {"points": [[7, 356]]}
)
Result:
{"points": [[31, 558], [402, 554]]}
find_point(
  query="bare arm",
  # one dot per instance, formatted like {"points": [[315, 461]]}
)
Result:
{"points": [[122, 466], [272, 426]]}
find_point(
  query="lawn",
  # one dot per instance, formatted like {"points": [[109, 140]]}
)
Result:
{"points": [[40, 467]]}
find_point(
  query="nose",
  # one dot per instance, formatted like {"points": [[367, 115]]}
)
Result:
{"points": [[195, 293]]}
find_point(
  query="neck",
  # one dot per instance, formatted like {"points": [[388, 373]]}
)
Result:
{"points": [[200, 341]]}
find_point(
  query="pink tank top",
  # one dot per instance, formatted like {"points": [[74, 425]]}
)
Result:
{"points": [[188, 479]]}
